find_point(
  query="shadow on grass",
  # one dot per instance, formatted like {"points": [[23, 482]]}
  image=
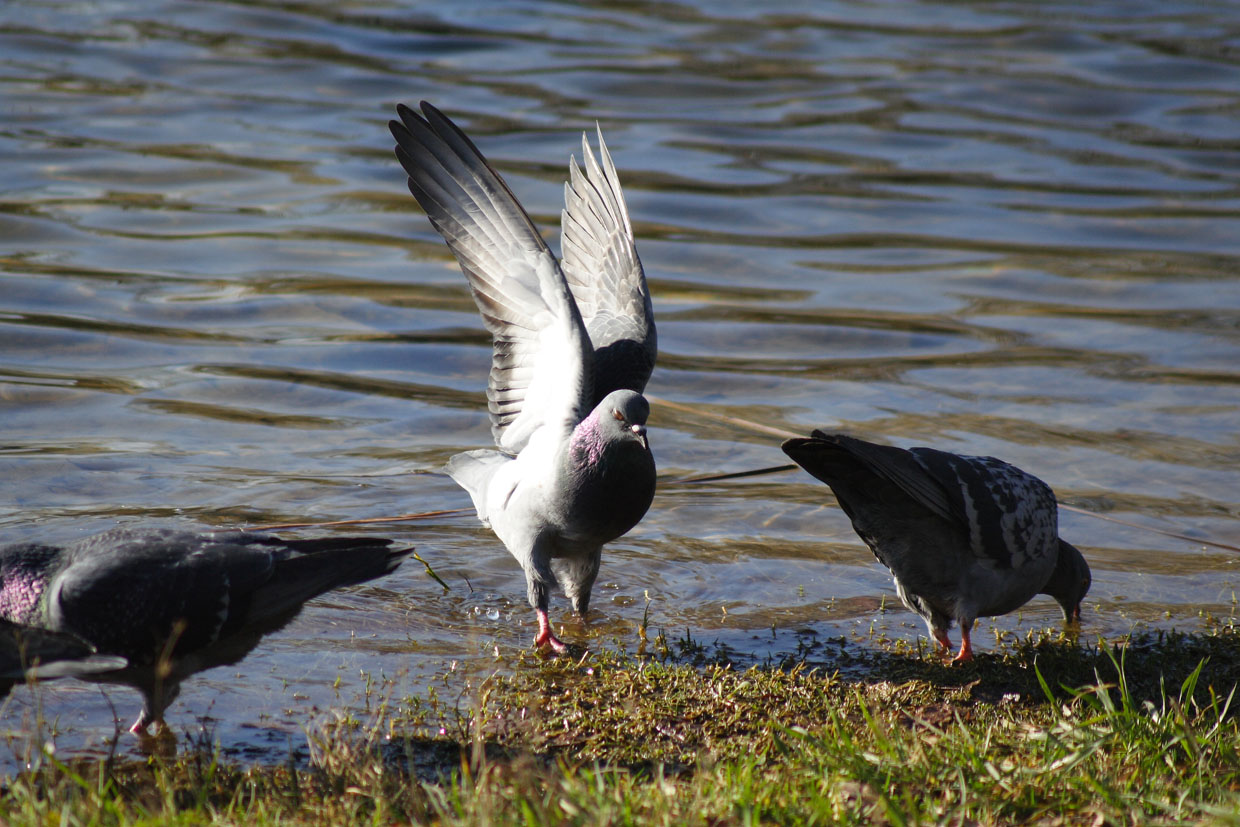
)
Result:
{"points": [[1129, 731], [691, 703]]}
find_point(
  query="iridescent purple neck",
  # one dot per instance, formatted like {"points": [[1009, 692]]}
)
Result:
{"points": [[586, 445], [23, 576], [19, 596]]}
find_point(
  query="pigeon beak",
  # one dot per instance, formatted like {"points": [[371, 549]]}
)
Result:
{"points": [[640, 432]]}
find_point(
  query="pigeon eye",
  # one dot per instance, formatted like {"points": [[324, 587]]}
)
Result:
{"points": [[619, 416]]}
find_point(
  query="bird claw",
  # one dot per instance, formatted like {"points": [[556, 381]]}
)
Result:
{"points": [[945, 643], [142, 726], [162, 743], [557, 645]]}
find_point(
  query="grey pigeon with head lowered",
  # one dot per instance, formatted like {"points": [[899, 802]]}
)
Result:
{"points": [[175, 602], [963, 536], [28, 653], [573, 348]]}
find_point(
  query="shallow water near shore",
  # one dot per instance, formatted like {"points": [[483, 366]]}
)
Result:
{"points": [[1008, 229]]}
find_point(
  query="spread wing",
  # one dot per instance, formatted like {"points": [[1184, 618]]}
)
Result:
{"points": [[605, 274], [541, 368]]}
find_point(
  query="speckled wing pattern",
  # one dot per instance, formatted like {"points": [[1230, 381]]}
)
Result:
{"points": [[605, 274], [1009, 516], [541, 365]]}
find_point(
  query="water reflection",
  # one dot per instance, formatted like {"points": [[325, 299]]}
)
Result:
{"points": [[1004, 229]]}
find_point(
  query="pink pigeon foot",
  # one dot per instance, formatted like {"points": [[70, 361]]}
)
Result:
{"points": [[146, 727], [545, 635], [966, 646]]}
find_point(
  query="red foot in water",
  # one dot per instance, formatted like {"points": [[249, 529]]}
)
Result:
{"points": [[545, 635]]}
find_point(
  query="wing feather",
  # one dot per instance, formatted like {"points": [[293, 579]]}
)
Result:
{"points": [[129, 591], [1009, 516], [902, 469], [605, 274], [541, 367]]}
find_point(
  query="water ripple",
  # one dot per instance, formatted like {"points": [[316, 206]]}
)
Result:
{"points": [[1008, 229]]}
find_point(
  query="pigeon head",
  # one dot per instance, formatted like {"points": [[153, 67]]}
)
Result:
{"points": [[618, 422], [1070, 581], [622, 415]]}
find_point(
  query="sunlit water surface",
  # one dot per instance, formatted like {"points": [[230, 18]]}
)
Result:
{"points": [[1000, 228]]}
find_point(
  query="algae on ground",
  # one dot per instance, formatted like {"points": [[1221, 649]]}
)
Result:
{"points": [[1138, 731]]}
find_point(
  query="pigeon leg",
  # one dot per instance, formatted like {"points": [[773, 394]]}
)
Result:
{"points": [[966, 646], [141, 727], [546, 636], [154, 701], [944, 641]]}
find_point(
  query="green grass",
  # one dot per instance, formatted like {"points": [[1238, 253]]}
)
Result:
{"points": [[1045, 732]]}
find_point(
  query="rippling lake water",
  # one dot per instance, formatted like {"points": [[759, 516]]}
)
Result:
{"points": [[1001, 228]]}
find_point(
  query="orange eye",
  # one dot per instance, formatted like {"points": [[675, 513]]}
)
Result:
{"points": [[619, 416]]}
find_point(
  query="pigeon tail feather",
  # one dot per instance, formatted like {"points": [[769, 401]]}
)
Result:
{"points": [[320, 565], [473, 471]]}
